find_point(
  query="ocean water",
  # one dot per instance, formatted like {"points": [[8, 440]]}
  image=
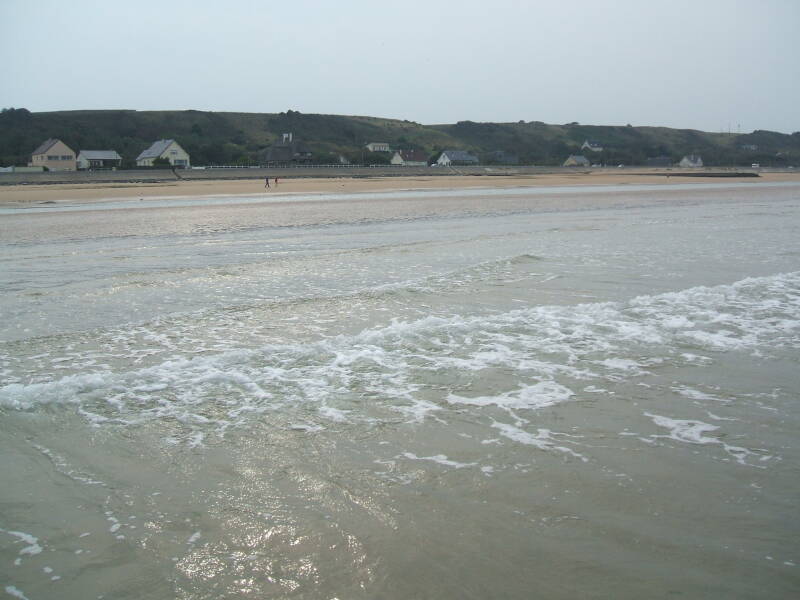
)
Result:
{"points": [[528, 393]]}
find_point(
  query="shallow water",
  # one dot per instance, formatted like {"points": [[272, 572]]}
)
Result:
{"points": [[527, 393]]}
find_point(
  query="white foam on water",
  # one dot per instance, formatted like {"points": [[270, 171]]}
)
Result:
{"points": [[693, 432], [65, 468], [694, 394], [194, 537], [538, 395], [543, 439], [440, 459], [16, 592], [33, 546], [422, 369]]}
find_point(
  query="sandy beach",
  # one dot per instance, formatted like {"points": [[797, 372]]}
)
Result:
{"points": [[14, 195]]}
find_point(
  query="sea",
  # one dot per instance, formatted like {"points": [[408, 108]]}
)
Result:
{"points": [[533, 392]]}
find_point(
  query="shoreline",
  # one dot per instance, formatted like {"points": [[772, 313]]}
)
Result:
{"points": [[54, 193]]}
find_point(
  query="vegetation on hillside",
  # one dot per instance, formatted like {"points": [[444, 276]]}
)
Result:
{"points": [[241, 138]]}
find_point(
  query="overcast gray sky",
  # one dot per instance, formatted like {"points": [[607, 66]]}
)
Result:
{"points": [[703, 64]]}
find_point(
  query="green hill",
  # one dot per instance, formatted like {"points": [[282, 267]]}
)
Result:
{"points": [[240, 138]]}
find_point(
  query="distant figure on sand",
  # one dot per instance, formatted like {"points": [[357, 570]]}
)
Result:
{"points": [[266, 182], [276, 182]]}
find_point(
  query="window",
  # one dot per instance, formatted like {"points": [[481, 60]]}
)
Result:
{"points": [[52, 157], [173, 152], [66, 157]]}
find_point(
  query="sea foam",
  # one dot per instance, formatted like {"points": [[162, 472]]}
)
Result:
{"points": [[420, 368]]}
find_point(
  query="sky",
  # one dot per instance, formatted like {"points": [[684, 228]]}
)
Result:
{"points": [[713, 65]]}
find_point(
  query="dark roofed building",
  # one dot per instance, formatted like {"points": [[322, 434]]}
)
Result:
{"points": [[410, 158], [98, 159], [288, 151], [457, 157]]}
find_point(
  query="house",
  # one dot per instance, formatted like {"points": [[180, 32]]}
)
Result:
{"points": [[99, 159], [410, 158], [658, 161], [749, 147], [168, 149], [592, 145], [378, 147], [691, 160], [576, 160], [501, 157], [456, 157], [55, 155], [288, 151]]}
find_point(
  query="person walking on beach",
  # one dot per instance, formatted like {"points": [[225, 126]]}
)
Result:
{"points": [[276, 182], [266, 182]]}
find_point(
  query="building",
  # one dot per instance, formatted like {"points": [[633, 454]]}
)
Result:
{"points": [[168, 149], [592, 145], [456, 157], [288, 152], [691, 160], [658, 161], [55, 155], [99, 159], [410, 158], [378, 147], [577, 160]]}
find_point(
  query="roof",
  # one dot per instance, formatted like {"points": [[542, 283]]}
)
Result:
{"points": [[460, 155], [45, 146], [156, 150], [99, 155], [592, 143], [579, 158], [286, 151], [414, 155]]}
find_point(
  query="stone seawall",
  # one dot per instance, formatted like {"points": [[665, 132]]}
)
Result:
{"points": [[164, 175]]}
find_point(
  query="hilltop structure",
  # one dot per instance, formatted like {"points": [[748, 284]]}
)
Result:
{"points": [[592, 145], [378, 147], [55, 155]]}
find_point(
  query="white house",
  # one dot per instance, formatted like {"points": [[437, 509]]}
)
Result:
{"points": [[378, 147], [456, 157], [169, 149], [691, 160], [592, 145]]}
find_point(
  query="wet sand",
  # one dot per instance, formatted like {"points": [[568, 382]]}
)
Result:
{"points": [[15, 195]]}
